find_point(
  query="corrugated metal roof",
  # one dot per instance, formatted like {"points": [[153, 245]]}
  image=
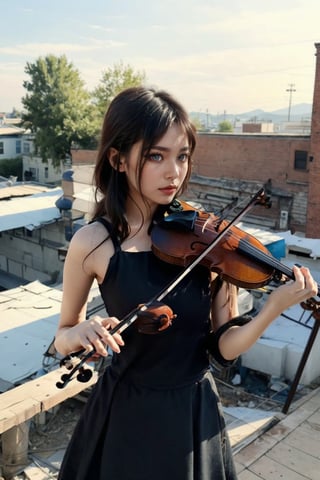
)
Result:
{"points": [[29, 318], [11, 130], [31, 211], [19, 190]]}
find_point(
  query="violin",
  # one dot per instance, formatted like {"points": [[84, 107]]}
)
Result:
{"points": [[239, 258], [189, 237]]}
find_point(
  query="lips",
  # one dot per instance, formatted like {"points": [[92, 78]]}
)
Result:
{"points": [[168, 190]]}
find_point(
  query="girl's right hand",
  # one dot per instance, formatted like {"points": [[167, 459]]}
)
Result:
{"points": [[94, 333]]}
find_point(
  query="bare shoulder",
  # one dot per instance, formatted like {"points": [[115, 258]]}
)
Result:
{"points": [[92, 246], [89, 236]]}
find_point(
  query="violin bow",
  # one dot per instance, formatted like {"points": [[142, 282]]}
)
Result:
{"points": [[85, 374]]}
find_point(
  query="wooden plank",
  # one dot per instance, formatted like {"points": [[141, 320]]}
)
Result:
{"points": [[51, 396], [21, 412], [23, 402]]}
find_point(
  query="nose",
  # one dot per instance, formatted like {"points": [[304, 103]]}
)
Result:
{"points": [[172, 168]]}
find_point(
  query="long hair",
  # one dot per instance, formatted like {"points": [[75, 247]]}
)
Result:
{"points": [[136, 114]]}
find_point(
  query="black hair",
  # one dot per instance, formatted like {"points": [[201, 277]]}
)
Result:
{"points": [[135, 114]]}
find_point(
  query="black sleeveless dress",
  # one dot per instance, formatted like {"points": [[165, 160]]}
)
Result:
{"points": [[155, 413]]}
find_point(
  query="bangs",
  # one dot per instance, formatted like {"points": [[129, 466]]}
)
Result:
{"points": [[158, 124]]}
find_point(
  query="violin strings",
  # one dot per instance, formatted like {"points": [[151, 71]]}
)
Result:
{"points": [[250, 249], [246, 247]]}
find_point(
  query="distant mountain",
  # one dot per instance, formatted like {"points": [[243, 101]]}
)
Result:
{"points": [[299, 112], [300, 109]]}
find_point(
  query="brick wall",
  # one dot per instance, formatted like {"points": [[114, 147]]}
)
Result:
{"points": [[228, 166], [313, 214], [252, 157]]}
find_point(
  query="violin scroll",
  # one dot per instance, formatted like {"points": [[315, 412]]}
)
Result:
{"points": [[263, 199], [84, 373]]}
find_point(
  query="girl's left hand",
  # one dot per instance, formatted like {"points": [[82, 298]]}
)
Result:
{"points": [[295, 291]]}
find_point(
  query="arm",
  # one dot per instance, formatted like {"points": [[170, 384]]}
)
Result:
{"points": [[74, 333], [238, 339]]}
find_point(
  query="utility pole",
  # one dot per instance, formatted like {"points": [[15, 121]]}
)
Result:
{"points": [[290, 90]]}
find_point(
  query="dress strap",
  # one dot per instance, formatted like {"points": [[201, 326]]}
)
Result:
{"points": [[111, 232]]}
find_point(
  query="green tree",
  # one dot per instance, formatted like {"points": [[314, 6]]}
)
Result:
{"points": [[113, 81], [225, 126], [57, 107], [11, 166], [197, 123]]}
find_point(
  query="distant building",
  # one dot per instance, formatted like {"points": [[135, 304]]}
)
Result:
{"points": [[11, 140], [257, 127], [36, 170], [32, 232], [296, 128]]}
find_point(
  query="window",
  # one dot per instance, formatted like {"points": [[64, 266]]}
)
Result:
{"points": [[46, 172], [300, 160], [18, 147], [26, 147], [1, 148]]}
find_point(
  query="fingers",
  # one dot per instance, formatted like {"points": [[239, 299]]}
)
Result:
{"points": [[113, 340], [304, 282], [96, 335], [295, 291]]}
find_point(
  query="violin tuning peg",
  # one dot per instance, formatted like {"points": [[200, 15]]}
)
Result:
{"points": [[65, 379], [84, 375]]}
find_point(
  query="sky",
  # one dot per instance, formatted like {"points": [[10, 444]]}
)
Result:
{"points": [[215, 56]]}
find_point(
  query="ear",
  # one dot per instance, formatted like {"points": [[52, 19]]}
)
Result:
{"points": [[115, 161]]}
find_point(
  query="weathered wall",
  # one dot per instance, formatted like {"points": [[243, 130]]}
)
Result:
{"points": [[313, 214], [33, 255], [229, 166]]}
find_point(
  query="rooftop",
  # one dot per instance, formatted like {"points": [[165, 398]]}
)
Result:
{"points": [[28, 206], [10, 130]]}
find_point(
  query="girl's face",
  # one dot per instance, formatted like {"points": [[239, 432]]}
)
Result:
{"points": [[164, 170]]}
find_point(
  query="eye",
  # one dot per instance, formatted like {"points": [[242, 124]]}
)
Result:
{"points": [[183, 157], [155, 157]]}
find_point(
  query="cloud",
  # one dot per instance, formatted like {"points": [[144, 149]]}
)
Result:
{"points": [[32, 49], [236, 56], [101, 28]]}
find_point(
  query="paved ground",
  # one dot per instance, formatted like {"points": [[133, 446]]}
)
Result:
{"points": [[290, 450]]}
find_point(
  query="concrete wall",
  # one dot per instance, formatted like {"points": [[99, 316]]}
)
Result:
{"points": [[33, 255], [42, 172]]}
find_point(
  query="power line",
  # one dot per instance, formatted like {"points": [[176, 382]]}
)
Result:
{"points": [[290, 90]]}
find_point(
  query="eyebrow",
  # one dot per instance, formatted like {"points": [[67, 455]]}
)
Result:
{"points": [[166, 149]]}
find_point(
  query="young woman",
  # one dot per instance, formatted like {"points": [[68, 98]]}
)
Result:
{"points": [[155, 413]]}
